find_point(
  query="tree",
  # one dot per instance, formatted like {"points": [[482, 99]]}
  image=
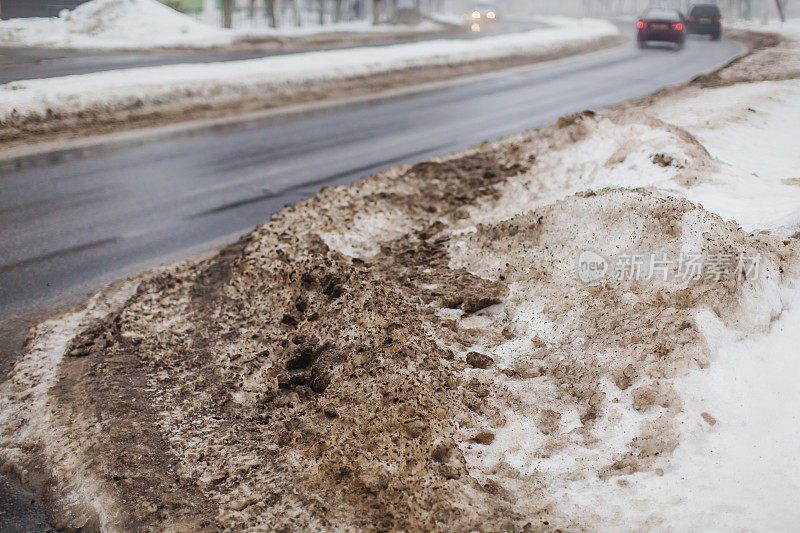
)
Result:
{"points": [[376, 12], [781, 11], [271, 12], [227, 13], [337, 13]]}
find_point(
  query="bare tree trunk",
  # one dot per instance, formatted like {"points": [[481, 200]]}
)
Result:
{"points": [[321, 12], [394, 8], [251, 10], [337, 15], [271, 12], [227, 13], [376, 12], [296, 13], [781, 12]]}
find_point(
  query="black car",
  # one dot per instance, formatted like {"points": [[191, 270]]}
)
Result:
{"points": [[705, 19], [660, 24]]}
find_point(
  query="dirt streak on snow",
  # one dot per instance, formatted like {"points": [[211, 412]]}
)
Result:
{"points": [[30, 422]]}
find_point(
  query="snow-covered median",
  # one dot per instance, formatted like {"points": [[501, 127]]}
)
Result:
{"points": [[134, 88]]}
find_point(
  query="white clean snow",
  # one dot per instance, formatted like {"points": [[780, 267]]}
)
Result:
{"points": [[751, 175], [741, 474], [114, 24], [121, 88], [789, 29], [752, 130]]}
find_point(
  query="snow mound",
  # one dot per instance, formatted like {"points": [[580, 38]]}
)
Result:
{"points": [[585, 375], [115, 24]]}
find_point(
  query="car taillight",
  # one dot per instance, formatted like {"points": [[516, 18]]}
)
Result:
{"points": [[640, 24], [719, 21], [679, 26]]}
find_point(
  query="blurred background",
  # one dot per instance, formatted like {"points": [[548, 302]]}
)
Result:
{"points": [[304, 13]]}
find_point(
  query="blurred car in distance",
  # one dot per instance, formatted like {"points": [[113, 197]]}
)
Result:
{"points": [[482, 16], [661, 24], [705, 19]]}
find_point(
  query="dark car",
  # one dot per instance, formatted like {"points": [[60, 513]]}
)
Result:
{"points": [[661, 24], [705, 19]]}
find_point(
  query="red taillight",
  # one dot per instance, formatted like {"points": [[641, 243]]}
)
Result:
{"points": [[679, 26], [719, 21], [640, 24]]}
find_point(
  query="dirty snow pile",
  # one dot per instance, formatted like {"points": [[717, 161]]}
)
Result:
{"points": [[699, 414], [590, 326], [161, 86], [107, 24]]}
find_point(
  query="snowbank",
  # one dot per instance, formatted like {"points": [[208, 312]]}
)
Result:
{"points": [[114, 24], [789, 29], [235, 79]]}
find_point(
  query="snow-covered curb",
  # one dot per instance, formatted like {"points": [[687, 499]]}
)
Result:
{"points": [[162, 85]]}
